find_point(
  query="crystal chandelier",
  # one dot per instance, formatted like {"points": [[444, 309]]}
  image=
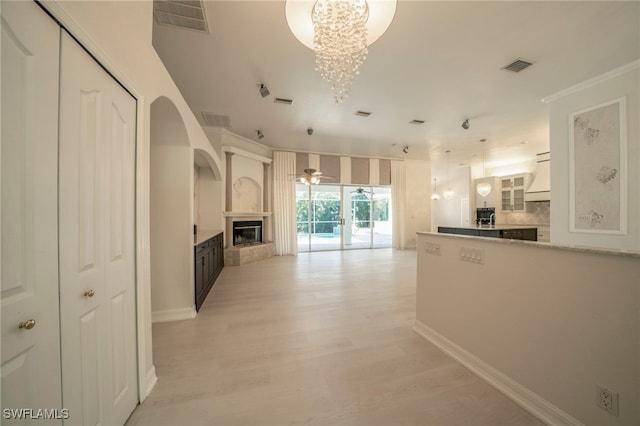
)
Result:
{"points": [[340, 42], [339, 31]]}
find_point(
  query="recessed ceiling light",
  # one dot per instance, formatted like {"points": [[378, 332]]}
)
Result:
{"points": [[417, 122], [282, 101], [363, 113]]}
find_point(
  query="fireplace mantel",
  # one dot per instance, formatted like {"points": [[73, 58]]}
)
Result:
{"points": [[247, 214]]}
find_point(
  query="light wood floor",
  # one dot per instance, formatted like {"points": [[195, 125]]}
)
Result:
{"points": [[321, 338]]}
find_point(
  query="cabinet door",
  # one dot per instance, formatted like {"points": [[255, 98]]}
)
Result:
{"points": [[518, 200], [199, 274], [29, 243], [506, 183], [506, 200], [518, 181], [213, 260], [97, 246]]}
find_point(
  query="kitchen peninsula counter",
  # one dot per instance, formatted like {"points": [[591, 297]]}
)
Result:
{"points": [[527, 317]]}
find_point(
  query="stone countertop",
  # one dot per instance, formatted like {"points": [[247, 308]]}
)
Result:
{"points": [[492, 228], [204, 235], [584, 249]]}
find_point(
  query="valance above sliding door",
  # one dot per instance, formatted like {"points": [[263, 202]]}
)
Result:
{"points": [[346, 170]]}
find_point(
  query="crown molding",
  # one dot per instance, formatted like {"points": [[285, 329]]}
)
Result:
{"points": [[592, 82]]}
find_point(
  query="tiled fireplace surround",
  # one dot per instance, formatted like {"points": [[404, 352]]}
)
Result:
{"points": [[246, 199]]}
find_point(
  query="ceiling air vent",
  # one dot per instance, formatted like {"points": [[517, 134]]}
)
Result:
{"points": [[363, 113], [282, 101], [185, 14], [517, 65], [416, 122], [209, 119]]}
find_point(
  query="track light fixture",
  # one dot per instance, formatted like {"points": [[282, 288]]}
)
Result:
{"points": [[259, 134], [405, 149], [263, 90], [465, 124]]}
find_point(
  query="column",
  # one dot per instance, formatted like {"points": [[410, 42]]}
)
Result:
{"points": [[228, 201], [266, 221]]}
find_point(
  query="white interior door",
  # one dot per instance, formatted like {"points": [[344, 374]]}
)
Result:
{"points": [[29, 245], [97, 279]]}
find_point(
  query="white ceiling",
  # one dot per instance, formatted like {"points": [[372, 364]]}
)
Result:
{"points": [[438, 61]]}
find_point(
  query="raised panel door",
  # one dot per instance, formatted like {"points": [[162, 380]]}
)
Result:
{"points": [[97, 275], [29, 245]]}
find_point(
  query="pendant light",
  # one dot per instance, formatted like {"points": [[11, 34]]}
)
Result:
{"points": [[434, 194], [483, 188], [448, 193]]}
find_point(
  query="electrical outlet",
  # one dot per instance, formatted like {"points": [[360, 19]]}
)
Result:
{"points": [[432, 248], [607, 400]]}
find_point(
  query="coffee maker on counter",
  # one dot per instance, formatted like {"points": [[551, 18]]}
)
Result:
{"points": [[485, 216]]}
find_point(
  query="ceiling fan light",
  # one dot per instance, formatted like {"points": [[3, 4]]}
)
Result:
{"points": [[483, 188]]}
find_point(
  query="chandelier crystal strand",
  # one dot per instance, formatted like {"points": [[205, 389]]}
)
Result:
{"points": [[340, 42]]}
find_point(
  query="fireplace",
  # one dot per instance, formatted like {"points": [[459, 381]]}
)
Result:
{"points": [[247, 232]]}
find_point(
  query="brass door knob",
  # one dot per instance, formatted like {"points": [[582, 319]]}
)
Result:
{"points": [[28, 324], [89, 293]]}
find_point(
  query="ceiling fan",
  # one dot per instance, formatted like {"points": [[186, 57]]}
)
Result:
{"points": [[311, 177], [362, 191]]}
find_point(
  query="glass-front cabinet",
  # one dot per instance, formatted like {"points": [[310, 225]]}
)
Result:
{"points": [[513, 188]]}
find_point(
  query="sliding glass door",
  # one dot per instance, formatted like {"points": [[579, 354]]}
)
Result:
{"points": [[366, 211], [334, 217], [318, 217]]}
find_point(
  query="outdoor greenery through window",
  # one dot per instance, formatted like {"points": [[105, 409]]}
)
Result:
{"points": [[333, 217]]}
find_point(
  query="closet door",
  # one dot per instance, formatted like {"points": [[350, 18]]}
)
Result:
{"points": [[29, 244], [97, 278]]}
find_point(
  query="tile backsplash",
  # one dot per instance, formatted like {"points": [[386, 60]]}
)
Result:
{"points": [[539, 215]]}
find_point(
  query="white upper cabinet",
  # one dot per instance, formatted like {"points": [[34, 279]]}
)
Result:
{"points": [[512, 189]]}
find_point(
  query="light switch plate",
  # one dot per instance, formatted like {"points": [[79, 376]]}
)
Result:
{"points": [[472, 254], [432, 248]]}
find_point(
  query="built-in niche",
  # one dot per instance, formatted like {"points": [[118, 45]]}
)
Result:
{"points": [[247, 195]]}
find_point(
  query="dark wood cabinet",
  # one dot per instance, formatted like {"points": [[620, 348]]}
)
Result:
{"points": [[209, 261]]}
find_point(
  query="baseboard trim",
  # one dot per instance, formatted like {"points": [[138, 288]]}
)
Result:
{"points": [[150, 382], [173, 315], [522, 396]]}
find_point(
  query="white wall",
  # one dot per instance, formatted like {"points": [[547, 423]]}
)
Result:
{"points": [[417, 208], [449, 212], [210, 192], [171, 246], [561, 107], [556, 321]]}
